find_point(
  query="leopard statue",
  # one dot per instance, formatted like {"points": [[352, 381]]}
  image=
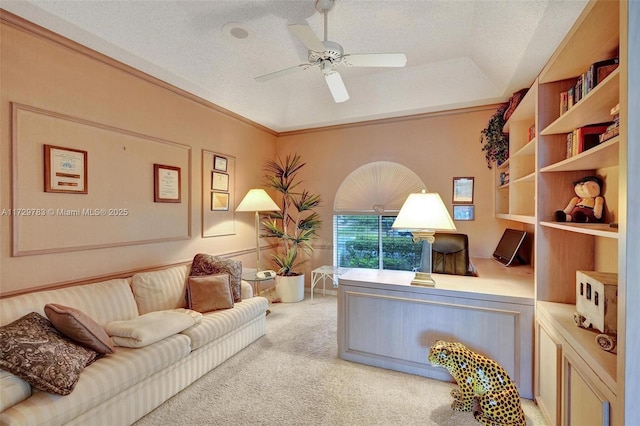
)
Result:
{"points": [[484, 386]]}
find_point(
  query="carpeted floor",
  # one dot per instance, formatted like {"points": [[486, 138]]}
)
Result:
{"points": [[292, 376]]}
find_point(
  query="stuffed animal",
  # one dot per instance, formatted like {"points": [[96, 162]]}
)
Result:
{"points": [[587, 205]]}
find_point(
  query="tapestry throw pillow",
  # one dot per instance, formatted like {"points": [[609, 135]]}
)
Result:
{"points": [[32, 349], [78, 326], [206, 264], [209, 293]]}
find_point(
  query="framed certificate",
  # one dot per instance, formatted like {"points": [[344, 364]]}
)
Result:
{"points": [[219, 181], [219, 201], [219, 163], [65, 170], [166, 184]]}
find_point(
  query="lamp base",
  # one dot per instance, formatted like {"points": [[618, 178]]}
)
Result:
{"points": [[423, 279]]}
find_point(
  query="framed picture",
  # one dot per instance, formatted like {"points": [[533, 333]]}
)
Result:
{"points": [[462, 190], [463, 212], [65, 170], [219, 163], [219, 201], [219, 181], [166, 184]]}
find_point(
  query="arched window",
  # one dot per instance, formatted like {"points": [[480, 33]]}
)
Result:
{"points": [[365, 207]]}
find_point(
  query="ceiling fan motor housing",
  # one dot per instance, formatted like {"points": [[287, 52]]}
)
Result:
{"points": [[332, 52]]}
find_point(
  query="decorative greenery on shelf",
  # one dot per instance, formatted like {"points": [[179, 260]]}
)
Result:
{"points": [[496, 143], [296, 225]]}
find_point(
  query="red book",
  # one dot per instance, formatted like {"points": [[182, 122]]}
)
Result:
{"points": [[589, 136]]}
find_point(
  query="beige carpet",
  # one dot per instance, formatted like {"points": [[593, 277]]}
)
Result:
{"points": [[292, 376]]}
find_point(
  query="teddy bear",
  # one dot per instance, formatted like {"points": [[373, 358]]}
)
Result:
{"points": [[587, 206]]}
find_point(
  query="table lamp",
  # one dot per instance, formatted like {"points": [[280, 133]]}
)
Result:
{"points": [[423, 214], [257, 200]]}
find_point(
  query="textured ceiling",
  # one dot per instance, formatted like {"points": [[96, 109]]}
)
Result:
{"points": [[459, 53]]}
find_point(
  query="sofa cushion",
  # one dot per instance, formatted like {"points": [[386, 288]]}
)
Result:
{"points": [[105, 301], [78, 326], [100, 381], [149, 328], [205, 264], [218, 323], [160, 290], [209, 293], [13, 390], [31, 348]]}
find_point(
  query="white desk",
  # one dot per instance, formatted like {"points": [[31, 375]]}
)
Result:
{"points": [[323, 273], [386, 322]]}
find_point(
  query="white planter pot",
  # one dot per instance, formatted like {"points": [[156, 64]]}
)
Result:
{"points": [[290, 289]]}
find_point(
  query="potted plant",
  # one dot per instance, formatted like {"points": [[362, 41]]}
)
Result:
{"points": [[496, 143], [295, 226]]}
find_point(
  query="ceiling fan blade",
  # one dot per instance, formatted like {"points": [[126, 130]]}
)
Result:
{"points": [[336, 86], [285, 71], [375, 60], [307, 36]]}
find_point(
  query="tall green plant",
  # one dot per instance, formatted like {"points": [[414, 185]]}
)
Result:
{"points": [[296, 225]]}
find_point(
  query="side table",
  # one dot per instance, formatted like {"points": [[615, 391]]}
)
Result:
{"points": [[323, 273], [255, 281]]}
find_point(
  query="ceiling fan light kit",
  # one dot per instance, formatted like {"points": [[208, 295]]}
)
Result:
{"points": [[327, 55]]}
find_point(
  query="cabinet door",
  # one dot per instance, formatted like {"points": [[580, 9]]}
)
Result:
{"points": [[584, 404], [549, 380]]}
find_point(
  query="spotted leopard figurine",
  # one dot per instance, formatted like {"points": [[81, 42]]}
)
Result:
{"points": [[484, 386]]}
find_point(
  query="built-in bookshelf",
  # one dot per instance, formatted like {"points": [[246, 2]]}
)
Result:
{"points": [[576, 382], [515, 199], [569, 363]]}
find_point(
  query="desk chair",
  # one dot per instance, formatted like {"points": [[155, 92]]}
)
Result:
{"points": [[450, 254]]}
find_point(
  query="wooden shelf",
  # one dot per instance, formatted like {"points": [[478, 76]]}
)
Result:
{"points": [[530, 178], [594, 108], [597, 229], [526, 109], [603, 155], [528, 149], [560, 317], [594, 37]]}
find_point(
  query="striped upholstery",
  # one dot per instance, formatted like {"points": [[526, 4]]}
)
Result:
{"points": [[135, 402], [120, 388], [218, 323], [104, 302], [160, 290], [100, 381]]}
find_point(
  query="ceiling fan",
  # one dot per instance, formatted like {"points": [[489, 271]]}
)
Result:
{"points": [[326, 55]]}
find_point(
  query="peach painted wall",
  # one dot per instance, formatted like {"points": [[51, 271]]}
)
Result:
{"points": [[39, 70], [437, 147]]}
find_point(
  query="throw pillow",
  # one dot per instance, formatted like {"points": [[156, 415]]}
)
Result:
{"points": [[32, 349], [149, 328], [205, 264], [78, 326], [209, 293]]}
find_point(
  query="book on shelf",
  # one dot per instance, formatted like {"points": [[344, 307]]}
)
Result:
{"points": [[586, 82], [531, 132], [584, 138]]}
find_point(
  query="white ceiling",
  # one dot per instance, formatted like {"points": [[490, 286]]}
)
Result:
{"points": [[459, 53]]}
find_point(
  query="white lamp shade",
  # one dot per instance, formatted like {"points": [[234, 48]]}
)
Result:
{"points": [[257, 200], [422, 211]]}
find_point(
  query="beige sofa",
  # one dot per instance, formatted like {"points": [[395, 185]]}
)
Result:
{"points": [[120, 388]]}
